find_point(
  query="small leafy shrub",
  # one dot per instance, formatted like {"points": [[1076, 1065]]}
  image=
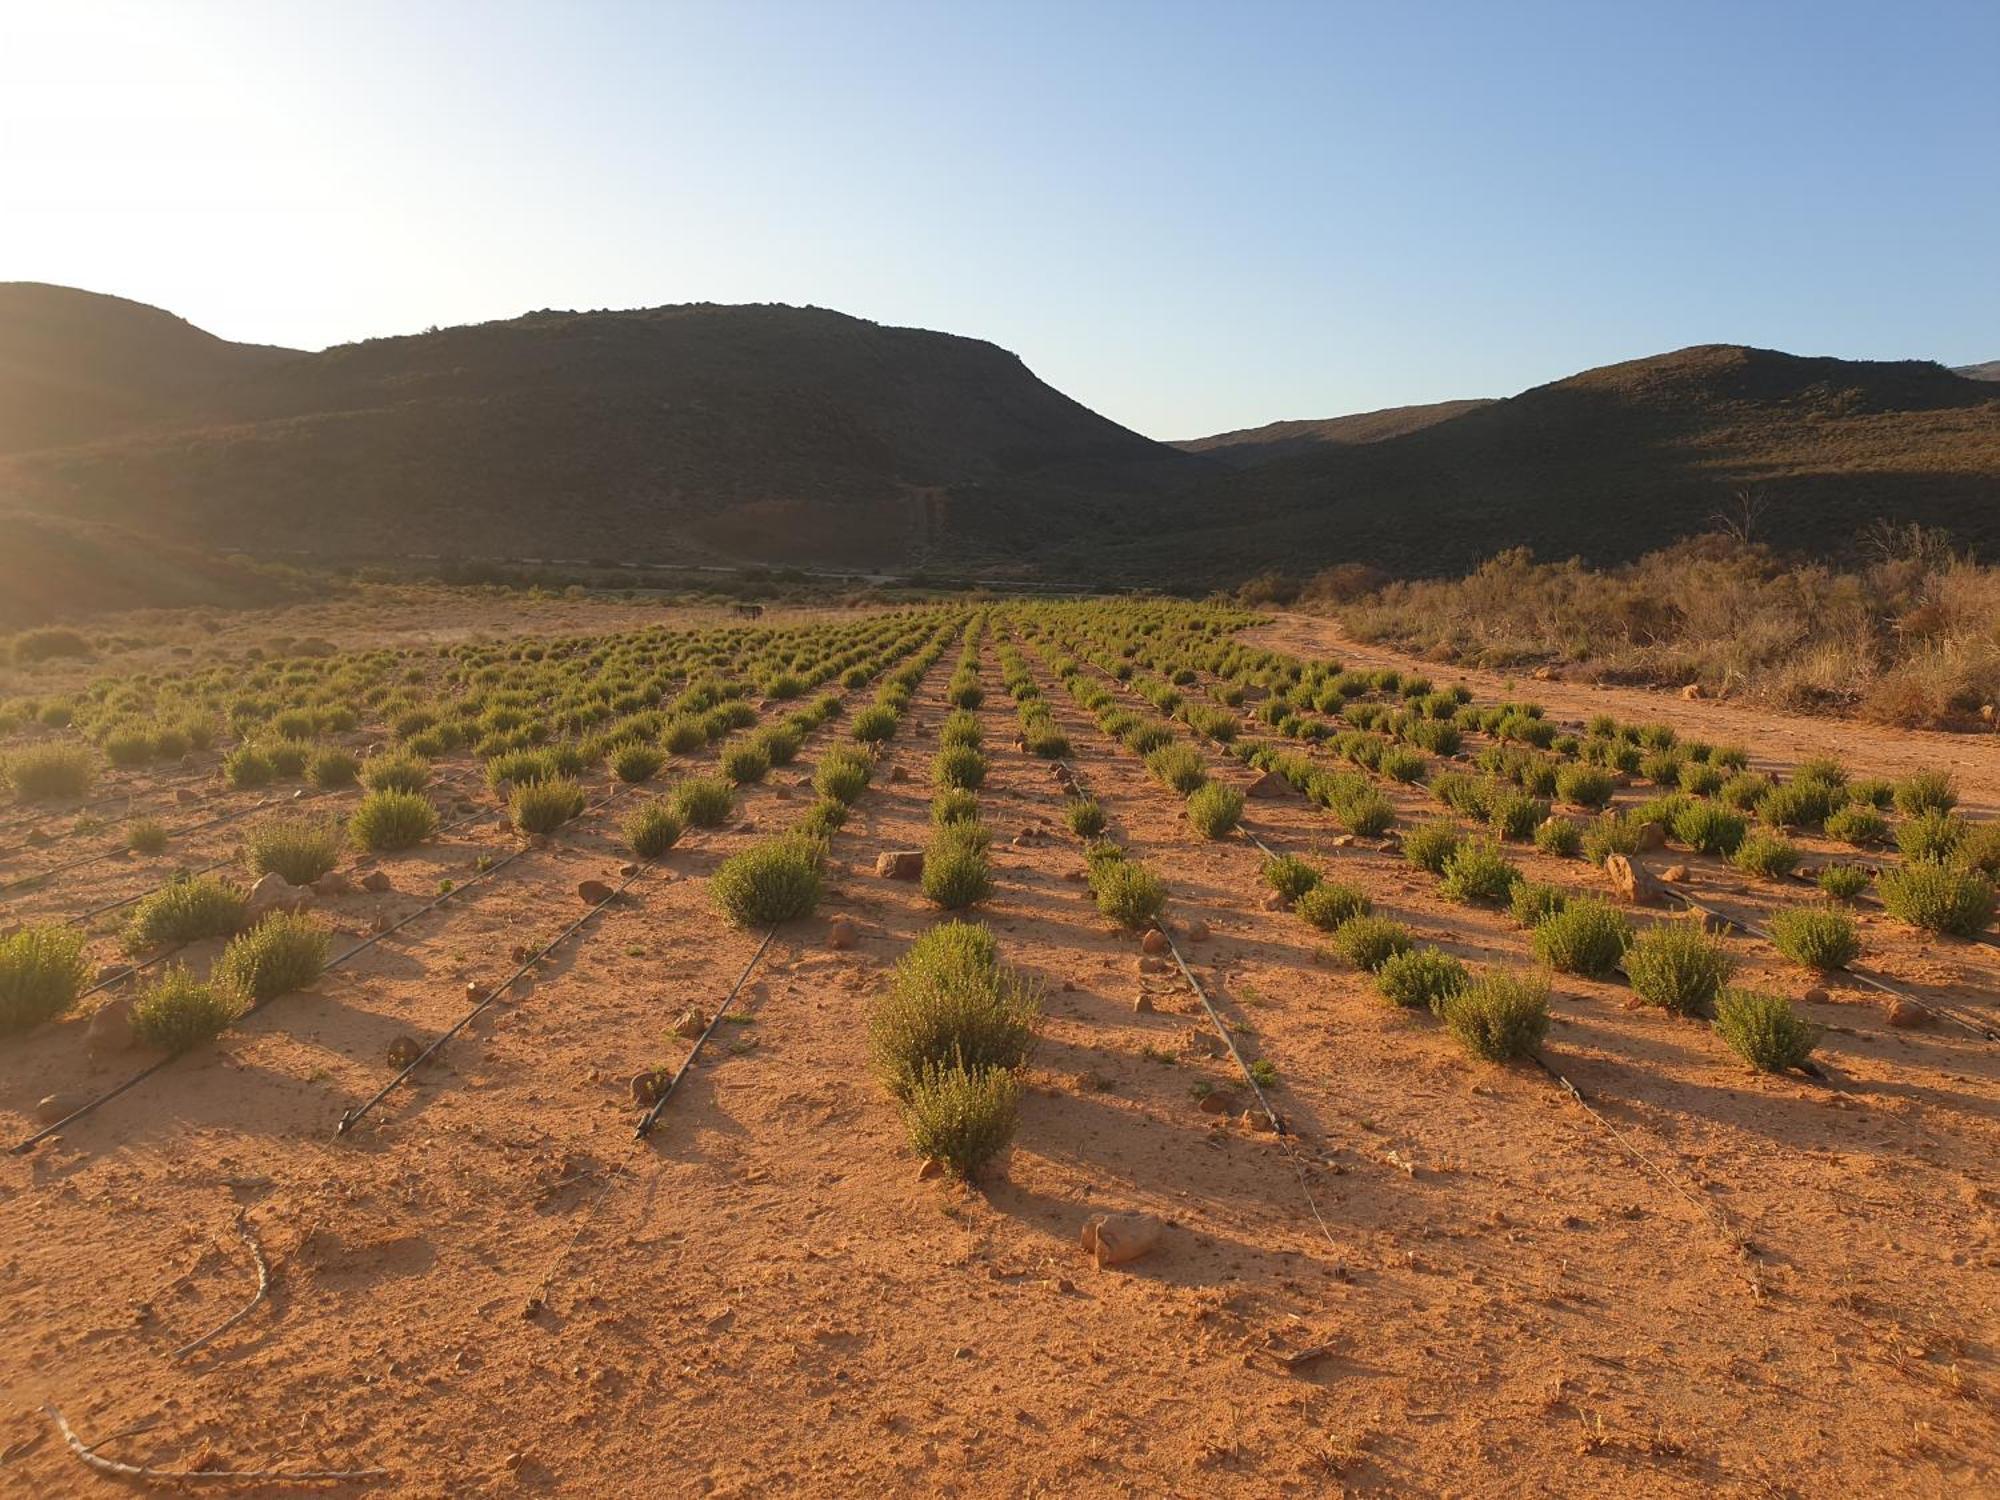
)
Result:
{"points": [[842, 775], [1611, 833], [954, 806], [1767, 855], [1586, 937], [146, 836], [544, 806], [1533, 902], [246, 767], [1329, 906], [635, 763], [1857, 824], [1744, 790], [42, 971], [1478, 871], [1817, 937], [1084, 817], [1798, 803], [1560, 837], [1500, 1017], [289, 757], [1290, 876], [280, 954], [651, 829], [1764, 1030], [185, 911], [1214, 810], [1938, 898], [1872, 792], [1710, 828], [399, 771], [961, 729], [823, 818], [178, 1012], [1843, 882], [1127, 892], [1930, 836], [1678, 967], [951, 1002], [1430, 846], [388, 821], [1585, 786], [956, 872], [297, 849], [51, 773], [1400, 764], [1369, 942], [768, 883], [744, 762], [332, 769], [1980, 849], [959, 766], [1926, 792], [1699, 779], [702, 801], [1422, 977], [874, 724], [1179, 766], [962, 1117], [1516, 815]]}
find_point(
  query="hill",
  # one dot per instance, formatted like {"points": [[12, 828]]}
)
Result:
{"points": [[1251, 446], [1610, 464], [1988, 371], [64, 570], [695, 433], [77, 366]]}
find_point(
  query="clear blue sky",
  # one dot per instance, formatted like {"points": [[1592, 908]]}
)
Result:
{"points": [[1190, 217]]}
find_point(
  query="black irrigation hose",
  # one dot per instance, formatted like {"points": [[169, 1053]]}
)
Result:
{"points": [[652, 1116], [354, 1115], [23, 881]]}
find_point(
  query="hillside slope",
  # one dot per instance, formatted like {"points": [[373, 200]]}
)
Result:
{"points": [[1610, 464], [1250, 446], [677, 434], [76, 366], [1988, 371]]}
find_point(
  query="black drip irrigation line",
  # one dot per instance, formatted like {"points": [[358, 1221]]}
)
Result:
{"points": [[652, 1116], [22, 882], [21, 1148], [354, 1115]]}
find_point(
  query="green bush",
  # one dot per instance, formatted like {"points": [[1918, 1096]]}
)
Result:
{"points": [[768, 883], [388, 821], [1422, 977], [961, 729], [544, 806], [177, 1012], [1214, 810], [950, 1002], [823, 818], [651, 829], [1478, 871], [1369, 942], [1533, 902], [1290, 876], [961, 1117], [1084, 816], [1586, 937], [1744, 790], [1980, 849], [1399, 764], [1610, 833], [1817, 937], [1767, 855], [1931, 836], [42, 971], [702, 801], [954, 806], [636, 763], [399, 771], [1872, 792], [280, 954], [1857, 824], [51, 773], [1127, 892], [1430, 846], [146, 836], [874, 724], [1500, 1017], [1926, 792], [1179, 766], [1678, 967], [298, 849], [956, 873], [744, 762], [1710, 828], [959, 766], [1560, 837], [1328, 906], [842, 775], [185, 911], [330, 770], [1843, 882], [1764, 1030], [247, 767], [1585, 786], [1797, 803], [1938, 898]]}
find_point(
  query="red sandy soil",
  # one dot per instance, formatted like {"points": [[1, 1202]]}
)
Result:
{"points": [[492, 1288]]}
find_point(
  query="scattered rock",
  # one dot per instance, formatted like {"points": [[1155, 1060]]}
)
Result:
{"points": [[1197, 930], [900, 864], [1155, 941], [377, 881], [1546, 674], [1268, 786], [1114, 1239], [648, 1086], [690, 1024], [594, 892], [54, 1107], [930, 1167], [1674, 874], [404, 1050], [1692, 691], [897, 775], [1651, 836], [1219, 1102], [185, 795], [472, 989], [1631, 881], [110, 1028], [39, 838], [112, 973], [1904, 1014], [1257, 1120], [1143, 1005], [840, 934], [628, 871], [1150, 965], [1817, 995], [1275, 901], [520, 953], [274, 893], [333, 884]]}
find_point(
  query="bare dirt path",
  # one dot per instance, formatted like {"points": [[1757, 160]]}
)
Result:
{"points": [[1775, 738]]}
